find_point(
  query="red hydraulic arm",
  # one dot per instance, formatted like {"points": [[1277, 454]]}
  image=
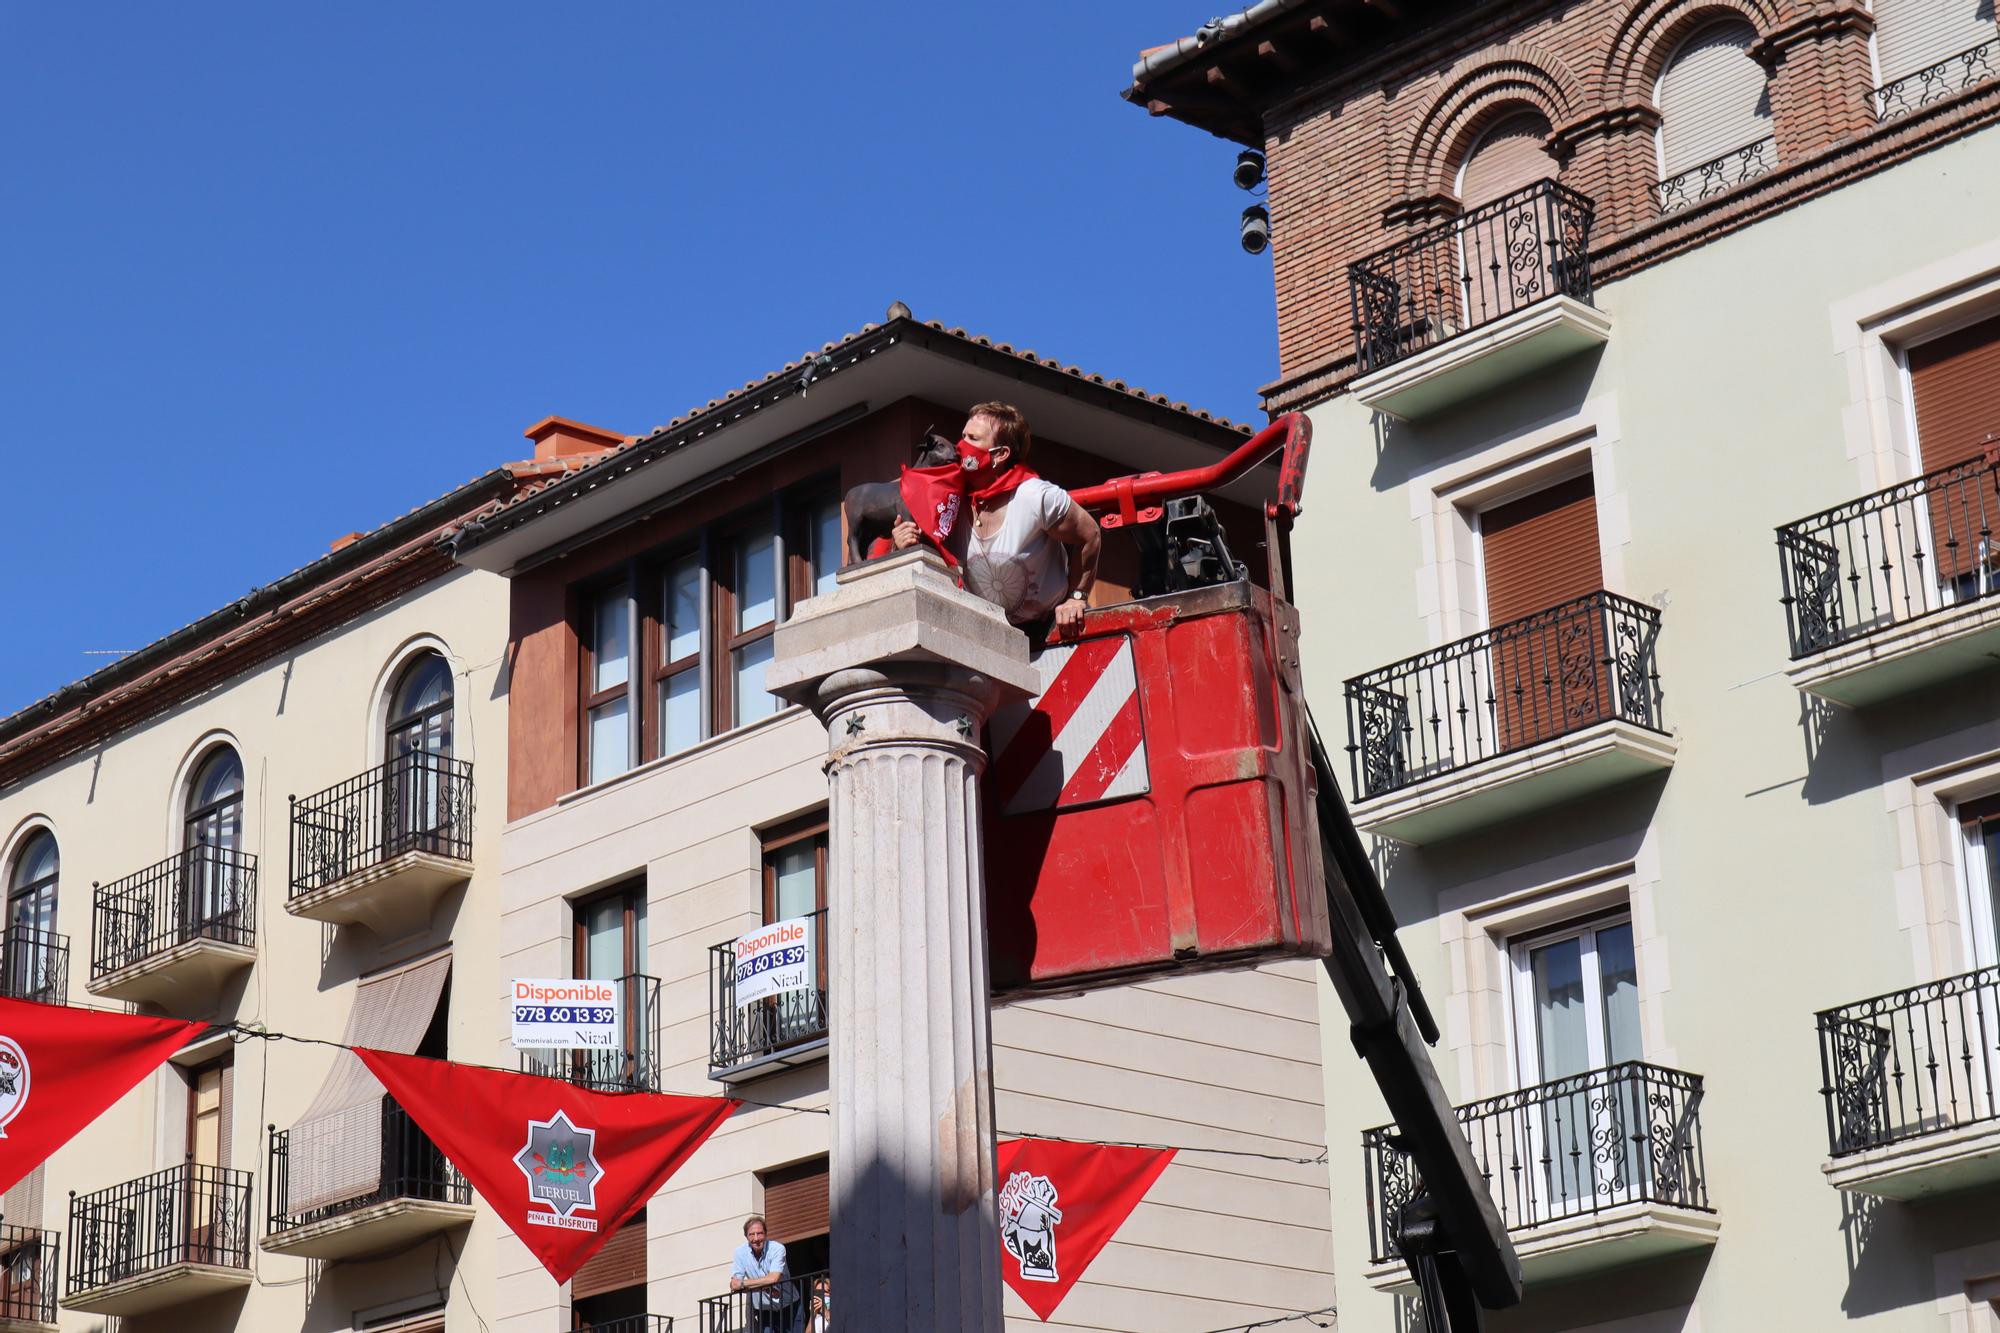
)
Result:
{"points": [[1142, 498]]}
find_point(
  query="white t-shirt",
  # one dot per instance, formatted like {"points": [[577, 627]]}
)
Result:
{"points": [[1021, 568]]}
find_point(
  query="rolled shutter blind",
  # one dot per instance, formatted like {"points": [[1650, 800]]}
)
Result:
{"points": [[1956, 382], [1910, 34], [1512, 154], [1541, 550], [1713, 98], [795, 1201], [621, 1263]]}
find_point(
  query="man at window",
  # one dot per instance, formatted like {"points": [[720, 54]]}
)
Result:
{"points": [[759, 1270], [1030, 550]]}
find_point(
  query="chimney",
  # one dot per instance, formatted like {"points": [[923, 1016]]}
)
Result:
{"points": [[559, 438]]}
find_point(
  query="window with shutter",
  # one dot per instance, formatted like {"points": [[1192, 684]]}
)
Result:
{"points": [[1496, 277], [1955, 383], [1540, 553], [1713, 98], [1514, 153], [796, 1204], [1910, 34], [621, 1263]]}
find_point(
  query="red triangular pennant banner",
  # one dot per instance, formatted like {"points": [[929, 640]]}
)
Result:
{"points": [[563, 1166], [1059, 1205], [61, 1068]]}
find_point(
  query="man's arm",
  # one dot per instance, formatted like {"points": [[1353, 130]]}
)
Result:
{"points": [[1078, 531]]}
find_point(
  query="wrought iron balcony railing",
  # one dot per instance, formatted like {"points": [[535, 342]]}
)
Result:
{"points": [[30, 1275], [784, 1306], [741, 1034], [634, 1066], [1490, 261], [414, 803], [1531, 680], [1913, 1062], [1934, 83], [187, 1214], [1627, 1134], [1713, 177], [634, 1323], [1903, 553], [34, 965], [205, 893], [412, 1168]]}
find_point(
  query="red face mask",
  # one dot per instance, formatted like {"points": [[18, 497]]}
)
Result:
{"points": [[975, 458]]}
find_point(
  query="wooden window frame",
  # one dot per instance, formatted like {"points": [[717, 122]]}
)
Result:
{"points": [[646, 582], [785, 835], [632, 891]]}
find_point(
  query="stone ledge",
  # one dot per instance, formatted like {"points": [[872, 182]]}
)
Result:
{"points": [[156, 1289], [1470, 363], [1571, 1246], [1903, 658], [1935, 1163], [1491, 790]]}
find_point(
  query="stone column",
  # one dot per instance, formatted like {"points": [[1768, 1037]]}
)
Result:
{"points": [[904, 668]]}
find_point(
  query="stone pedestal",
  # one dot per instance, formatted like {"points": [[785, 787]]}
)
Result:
{"points": [[904, 667]]}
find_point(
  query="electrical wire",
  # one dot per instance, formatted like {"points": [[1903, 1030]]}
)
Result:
{"points": [[1314, 1315]]}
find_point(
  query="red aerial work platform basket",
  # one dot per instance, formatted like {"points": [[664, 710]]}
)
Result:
{"points": [[1154, 808]]}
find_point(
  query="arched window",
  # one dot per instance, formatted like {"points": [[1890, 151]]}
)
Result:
{"points": [[30, 967], [1715, 115], [1512, 154], [420, 709], [419, 783], [212, 881]]}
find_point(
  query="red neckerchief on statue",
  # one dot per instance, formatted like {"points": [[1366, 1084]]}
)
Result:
{"points": [[935, 497]]}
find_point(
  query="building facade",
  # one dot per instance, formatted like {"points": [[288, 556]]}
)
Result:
{"points": [[268, 818], [661, 804], [1654, 354]]}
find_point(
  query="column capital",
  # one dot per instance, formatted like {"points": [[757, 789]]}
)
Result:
{"points": [[901, 621]]}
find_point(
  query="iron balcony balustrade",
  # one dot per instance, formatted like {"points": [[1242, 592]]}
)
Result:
{"points": [[34, 965], [1517, 685], [634, 1066], [775, 1032], [1908, 551], [1915, 1064], [412, 1170], [1935, 82], [633, 1323], [381, 847], [1486, 263], [173, 1236], [782, 1307], [205, 896], [30, 1276], [1716, 176], [1625, 1135]]}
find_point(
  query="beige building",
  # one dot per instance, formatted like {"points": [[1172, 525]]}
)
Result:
{"points": [[661, 804], [1694, 834], [285, 815]]}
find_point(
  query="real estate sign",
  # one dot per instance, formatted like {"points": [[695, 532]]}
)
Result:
{"points": [[559, 1014], [773, 959]]}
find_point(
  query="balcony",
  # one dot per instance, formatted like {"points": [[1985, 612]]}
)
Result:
{"points": [[1718, 176], [751, 1311], [174, 932], [1896, 591], [379, 850], [1589, 1172], [634, 1066], [165, 1239], [1935, 83], [1910, 1084], [1528, 715], [1487, 298], [34, 965], [315, 1213], [776, 1032], [30, 1272]]}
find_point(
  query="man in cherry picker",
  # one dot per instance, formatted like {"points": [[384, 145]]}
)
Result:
{"points": [[1029, 549]]}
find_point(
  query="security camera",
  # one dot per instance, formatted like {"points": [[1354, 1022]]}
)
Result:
{"points": [[1249, 173], [1256, 231]]}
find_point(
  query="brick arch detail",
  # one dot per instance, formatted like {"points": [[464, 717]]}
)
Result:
{"points": [[1654, 29], [1509, 80]]}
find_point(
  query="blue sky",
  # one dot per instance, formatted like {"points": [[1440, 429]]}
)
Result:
{"points": [[273, 273]]}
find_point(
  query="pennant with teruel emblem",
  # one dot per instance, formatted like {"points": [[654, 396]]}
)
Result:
{"points": [[1060, 1203], [61, 1068], [563, 1166]]}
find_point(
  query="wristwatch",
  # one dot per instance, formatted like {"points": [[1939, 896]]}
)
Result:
{"points": [[1079, 595]]}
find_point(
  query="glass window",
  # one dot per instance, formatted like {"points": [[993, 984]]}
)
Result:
{"points": [[680, 695], [680, 711], [215, 802], [756, 581], [683, 609], [31, 889], [752, 700], [825, 544], [607, 708], [610, 647], [610, 739]]}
